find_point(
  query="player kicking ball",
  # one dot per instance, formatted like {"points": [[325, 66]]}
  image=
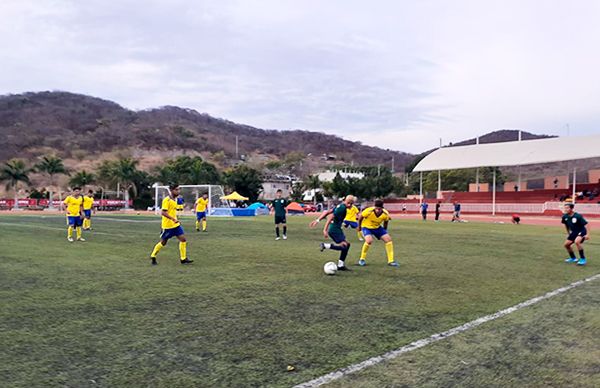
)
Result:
{"points": [[352, 222], [333, 230], [171, 227], [74, 204], [278, 205], [201, 205], [577, 233], [374, 222]]}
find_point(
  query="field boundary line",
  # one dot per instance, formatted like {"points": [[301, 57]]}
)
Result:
{"points": [[438, 337]]}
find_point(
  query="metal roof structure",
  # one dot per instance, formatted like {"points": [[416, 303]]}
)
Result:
{"points": [[512, 153]]}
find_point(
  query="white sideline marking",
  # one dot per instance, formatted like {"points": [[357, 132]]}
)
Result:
{"points": [[21, 225], [437, 337]]}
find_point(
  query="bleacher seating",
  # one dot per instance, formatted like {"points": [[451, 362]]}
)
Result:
{"points": [[530, 196]]}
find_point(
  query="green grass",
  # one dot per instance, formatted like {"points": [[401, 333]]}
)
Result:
{"points": [[97, 314]]}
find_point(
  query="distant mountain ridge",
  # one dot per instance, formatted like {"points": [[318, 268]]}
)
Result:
{"points": [[32, 124]]}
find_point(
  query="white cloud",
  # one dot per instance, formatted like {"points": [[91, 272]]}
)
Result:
{"points": [[401, 73]]}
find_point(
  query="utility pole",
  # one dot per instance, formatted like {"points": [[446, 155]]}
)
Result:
{"points": [[236, 147]]}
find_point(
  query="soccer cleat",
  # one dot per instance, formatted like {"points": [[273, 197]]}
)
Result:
{"points": [[582, 261], [322, 247], [81, 239], [361, 239], [277, 238], [284, 237], [197, 229], [362, 262], [394, 264], [571, 260], [186, 261], [70, 239], [154, 262], [343, 268]]}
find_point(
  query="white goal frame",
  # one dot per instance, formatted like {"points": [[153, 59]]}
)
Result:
{"points": [[224, 210]]}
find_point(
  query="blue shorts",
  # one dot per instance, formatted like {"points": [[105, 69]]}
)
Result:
{"points": [[75, 221], [377, 233], [352, 224], [200, 215], [574, 235], [87, 213], [337, 236], [173, 232]]}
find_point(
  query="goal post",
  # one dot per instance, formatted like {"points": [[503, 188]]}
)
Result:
{"points": [[190, 193]]}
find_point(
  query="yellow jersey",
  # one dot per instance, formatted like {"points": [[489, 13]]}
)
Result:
{"points": [[370, 219], [351, 213], [201, 205], [73, 205], [88, 202], [170, 206]]}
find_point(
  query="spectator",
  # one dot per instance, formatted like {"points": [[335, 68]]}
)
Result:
{"points": [[437, 210], [424, 207], [516, 219]]}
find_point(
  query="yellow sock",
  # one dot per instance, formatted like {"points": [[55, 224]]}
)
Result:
{"points": [[70, 231], [89, 223], [389, 249], [203, 225], [197, 225], [78, 230], [156, 249], [363, 252], [359, 234], [183, 250]]}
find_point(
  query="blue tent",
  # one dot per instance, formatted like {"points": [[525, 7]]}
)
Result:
{"points": [[257, 205]]}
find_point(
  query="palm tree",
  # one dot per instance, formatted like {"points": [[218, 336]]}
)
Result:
{"points": [[122, 172], [82, 178], [313, 183], [13, 172], [51, 166]]}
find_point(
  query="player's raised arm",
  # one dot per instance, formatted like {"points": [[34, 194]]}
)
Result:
{"points": [[322, 216]]}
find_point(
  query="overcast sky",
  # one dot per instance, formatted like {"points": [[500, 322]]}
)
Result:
{"points": [[399, 74]]}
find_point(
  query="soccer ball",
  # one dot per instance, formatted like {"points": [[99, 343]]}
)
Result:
{"points": [[330, 268]]}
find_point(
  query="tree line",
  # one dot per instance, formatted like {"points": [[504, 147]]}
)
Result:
{"points": [[124, 173]]}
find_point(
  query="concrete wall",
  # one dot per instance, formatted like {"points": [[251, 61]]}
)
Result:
{"points": [[483, 187], [562, 182]]}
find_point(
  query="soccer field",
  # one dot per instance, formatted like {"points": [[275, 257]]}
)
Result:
{"points": [[98, 314]]}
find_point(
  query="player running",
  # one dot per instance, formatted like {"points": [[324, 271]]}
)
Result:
{"points": [[171, 227], [74, 204], [278, 205], [374, 222], [333, 229], [88, 204], [351, 220], [577, 233], [201, 205]]}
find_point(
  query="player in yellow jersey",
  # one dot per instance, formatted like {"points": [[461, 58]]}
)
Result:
{"points": [[74, 205], [201, 206], [171, 227], [88, 204], [352, 222], [374, 222]]}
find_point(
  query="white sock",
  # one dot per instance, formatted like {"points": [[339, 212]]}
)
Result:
{"points": [[327, 246], [341, 263]]}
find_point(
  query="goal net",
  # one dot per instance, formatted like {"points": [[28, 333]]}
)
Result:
{"points": [[190, 193]]}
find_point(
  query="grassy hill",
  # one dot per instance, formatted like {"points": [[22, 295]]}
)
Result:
{"points": [[84, 127]]}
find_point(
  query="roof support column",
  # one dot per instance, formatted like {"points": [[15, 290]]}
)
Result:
{"points": [[421, 187], [494, 193], [574, 183], [439, 191], [477, 180]]}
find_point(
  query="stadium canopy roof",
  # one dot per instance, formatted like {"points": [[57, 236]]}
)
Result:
{"points": [[513, 153]]}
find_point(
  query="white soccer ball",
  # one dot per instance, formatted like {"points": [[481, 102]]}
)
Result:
{"points": [[330, 268]]}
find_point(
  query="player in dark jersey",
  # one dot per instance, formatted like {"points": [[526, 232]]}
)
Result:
{"points": [[279, 205], [577, 233], [333, 229]]}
